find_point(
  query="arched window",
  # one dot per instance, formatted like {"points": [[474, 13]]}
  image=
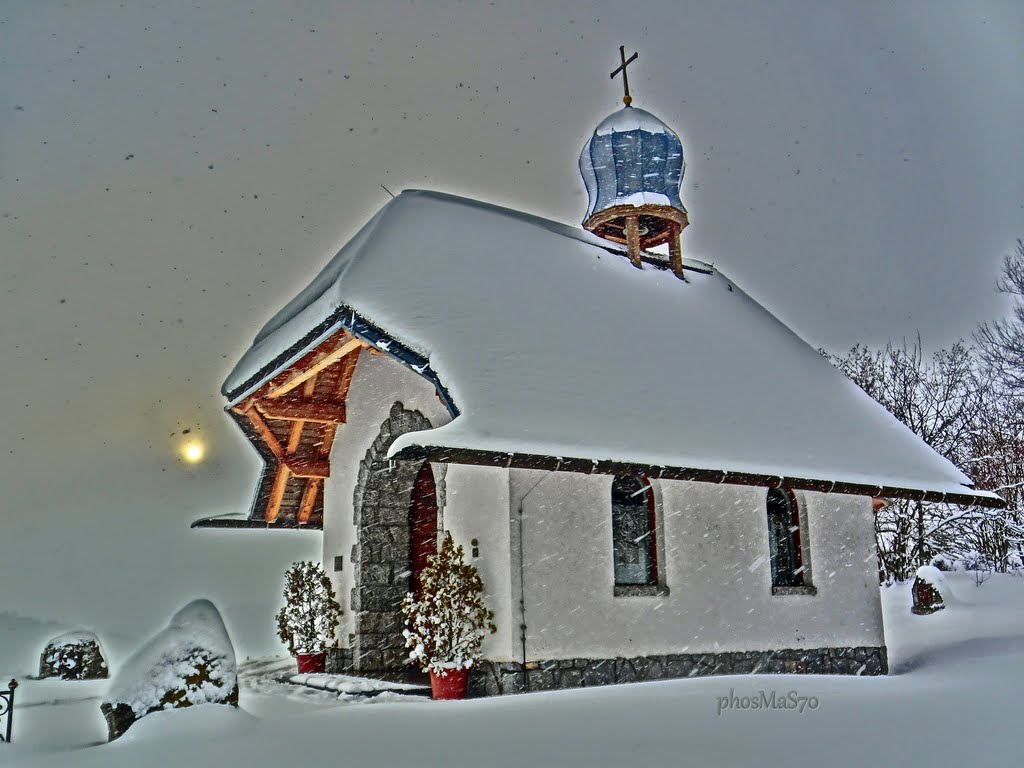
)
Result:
{"points": [[633, 545], [784, 541]]}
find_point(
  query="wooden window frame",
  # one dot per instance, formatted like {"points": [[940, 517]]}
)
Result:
{"points": [[799, 545], [654, 585]]}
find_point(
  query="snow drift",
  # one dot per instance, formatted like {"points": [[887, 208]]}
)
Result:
{"points": [[189, 662]]}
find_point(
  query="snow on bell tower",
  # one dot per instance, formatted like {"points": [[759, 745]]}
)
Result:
{"points": [[633, 167]]}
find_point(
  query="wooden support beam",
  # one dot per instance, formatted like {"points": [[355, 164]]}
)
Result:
{"points": [[320, 363], [348, 370], [295, 436], [295, 410], [327, 440], [244, 406], [308, 500], [675, 250], [306, 466], [633, 240], [264, 431], [276, 493]]}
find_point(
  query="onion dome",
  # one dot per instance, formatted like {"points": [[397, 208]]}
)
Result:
{"points": [[632, 167]]}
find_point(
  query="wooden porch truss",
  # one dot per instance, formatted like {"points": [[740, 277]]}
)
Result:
{"points": [[295, 415]]}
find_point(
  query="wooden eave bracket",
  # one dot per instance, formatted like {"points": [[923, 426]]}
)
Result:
{"points": [[321, 362], [301, 410], [308, 467], [308, 500]]}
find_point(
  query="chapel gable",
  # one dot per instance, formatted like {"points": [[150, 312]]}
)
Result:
{"points": [[292, 419]]}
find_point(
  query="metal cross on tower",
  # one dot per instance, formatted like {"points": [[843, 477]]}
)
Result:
{"points": [[626, 99]]}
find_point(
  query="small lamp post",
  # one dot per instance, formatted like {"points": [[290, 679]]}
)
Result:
{"points": [[7, 709]]}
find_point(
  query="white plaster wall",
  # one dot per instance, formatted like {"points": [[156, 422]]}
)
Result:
{"points": [[714, 556], [713, 552], [477, 507], [378, 383]]}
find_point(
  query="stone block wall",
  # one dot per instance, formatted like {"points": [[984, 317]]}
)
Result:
{"points": [[339, 662], [380, 557], [497, 678]]}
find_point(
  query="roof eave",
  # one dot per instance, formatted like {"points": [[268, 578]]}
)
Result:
{"points": [[475, 457], [345, 318], [234, 523]]}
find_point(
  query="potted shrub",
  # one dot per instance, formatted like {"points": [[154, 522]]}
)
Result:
{"points": [[310, 615], [447, 621]]}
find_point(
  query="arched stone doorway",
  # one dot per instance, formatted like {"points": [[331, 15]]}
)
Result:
{"points": [[386, 496]]}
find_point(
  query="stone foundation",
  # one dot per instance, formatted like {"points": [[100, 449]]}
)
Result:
{"points": [[339, 662], [497, 678], [490, 678]]}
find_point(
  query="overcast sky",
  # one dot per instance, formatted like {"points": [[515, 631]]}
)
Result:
{"points": [[171, 173]]}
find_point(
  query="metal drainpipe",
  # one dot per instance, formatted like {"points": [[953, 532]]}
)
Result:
{"points": [[522, 582]]}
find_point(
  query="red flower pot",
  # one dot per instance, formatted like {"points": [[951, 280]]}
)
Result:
{"points": [[311, 663], [450, 686]]}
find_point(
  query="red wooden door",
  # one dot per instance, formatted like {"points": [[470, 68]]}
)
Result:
{"points": [[423, 525]]}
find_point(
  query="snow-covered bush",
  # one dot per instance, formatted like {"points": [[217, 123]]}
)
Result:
{"points": [[310, 615], [447, 621], [189, 662], [976, 563], [73, 656]]}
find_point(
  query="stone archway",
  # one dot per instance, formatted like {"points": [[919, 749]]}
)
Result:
{"points": [[381, 556]]}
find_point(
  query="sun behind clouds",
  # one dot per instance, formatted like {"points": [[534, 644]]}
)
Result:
{"points": [[193, 452]]}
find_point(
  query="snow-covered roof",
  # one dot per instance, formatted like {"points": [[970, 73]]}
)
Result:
{"points": [[631, 118], [550, 343]]}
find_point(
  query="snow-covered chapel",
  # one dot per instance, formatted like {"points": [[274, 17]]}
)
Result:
{"points": [[653, 475]]}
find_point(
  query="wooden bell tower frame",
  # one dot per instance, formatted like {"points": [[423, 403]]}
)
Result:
{"points": [[642, 226]]}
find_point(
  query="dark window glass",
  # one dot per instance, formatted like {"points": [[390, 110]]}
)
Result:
{"points": [[784, 539], [633, 544]]}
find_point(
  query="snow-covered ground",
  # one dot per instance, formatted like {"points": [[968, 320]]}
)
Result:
{"points": [[954, 699]]}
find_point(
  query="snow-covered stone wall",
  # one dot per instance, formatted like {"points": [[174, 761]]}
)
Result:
{"points": [[713, 542], [378, 383]]}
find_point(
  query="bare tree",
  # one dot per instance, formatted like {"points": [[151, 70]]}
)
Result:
{"points": [[1001, 342], [940, 399], [970, 408], [997, 464], [998, 439]]}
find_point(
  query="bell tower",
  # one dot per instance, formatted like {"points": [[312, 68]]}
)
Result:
{"points": [[633, 167]]}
